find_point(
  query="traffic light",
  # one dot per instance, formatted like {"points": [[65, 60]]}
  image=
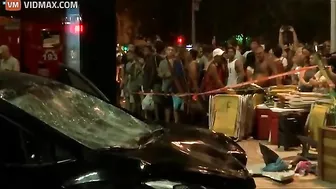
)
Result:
{"points": [[180, 40], [124, 48], [76, 28]]}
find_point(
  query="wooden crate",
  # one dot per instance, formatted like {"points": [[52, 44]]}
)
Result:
{"points": [[327, 154]]}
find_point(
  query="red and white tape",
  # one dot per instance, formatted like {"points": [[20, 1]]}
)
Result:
{"points": [[224, 89]]}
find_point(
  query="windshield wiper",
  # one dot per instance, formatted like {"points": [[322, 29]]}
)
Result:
{"points": [[150, 137]]}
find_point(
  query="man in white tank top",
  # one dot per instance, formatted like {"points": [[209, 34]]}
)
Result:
{"points": [[235, 68]]}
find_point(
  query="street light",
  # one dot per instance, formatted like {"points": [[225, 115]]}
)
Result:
{"points": [[194, 8]]}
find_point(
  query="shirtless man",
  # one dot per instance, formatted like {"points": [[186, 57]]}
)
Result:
{"points": [[264, 67]]}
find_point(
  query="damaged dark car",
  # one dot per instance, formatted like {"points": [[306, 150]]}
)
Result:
{"points": [[56, 136]]}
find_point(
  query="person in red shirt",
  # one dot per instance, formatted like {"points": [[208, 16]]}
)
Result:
{"points": [[216, 74]]}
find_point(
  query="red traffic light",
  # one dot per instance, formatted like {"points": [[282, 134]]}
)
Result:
{"points": [[76, 28], [180, 40]]}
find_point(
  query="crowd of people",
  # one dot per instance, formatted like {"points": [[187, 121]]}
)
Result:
{"points": [[158, 68]]}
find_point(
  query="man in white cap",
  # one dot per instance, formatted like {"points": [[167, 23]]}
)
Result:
{"points": [[216, 73], [8, 62]]}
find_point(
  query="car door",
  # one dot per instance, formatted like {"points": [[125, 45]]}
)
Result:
{"points": [[32, 161]]}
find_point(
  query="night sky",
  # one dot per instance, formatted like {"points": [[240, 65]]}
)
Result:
{"points": [[227, 18]]}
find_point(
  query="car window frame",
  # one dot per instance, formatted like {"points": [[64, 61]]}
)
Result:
{"points": [[68, 70]]}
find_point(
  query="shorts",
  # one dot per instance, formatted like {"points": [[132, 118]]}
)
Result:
{"points": [[178, 103]]}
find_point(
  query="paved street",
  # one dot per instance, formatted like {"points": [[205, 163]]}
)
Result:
{"points": [[254, 157]]}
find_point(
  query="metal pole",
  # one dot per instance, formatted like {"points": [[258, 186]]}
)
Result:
{"points": [[193, 23], [333, 25]]}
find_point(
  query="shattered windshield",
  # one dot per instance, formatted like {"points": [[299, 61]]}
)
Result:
{"points": [[85, 118]]}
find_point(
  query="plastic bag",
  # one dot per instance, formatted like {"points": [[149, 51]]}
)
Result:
{"points": [[148, 103]]}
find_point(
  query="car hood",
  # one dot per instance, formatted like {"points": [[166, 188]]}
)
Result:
{"points": [[194, 150], [209, 137]]}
